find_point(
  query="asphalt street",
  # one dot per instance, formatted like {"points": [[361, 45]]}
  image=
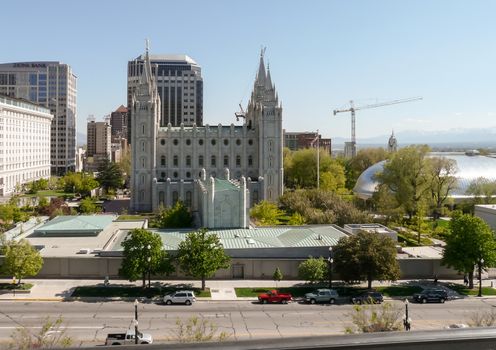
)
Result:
{"points": [[89, 322]]}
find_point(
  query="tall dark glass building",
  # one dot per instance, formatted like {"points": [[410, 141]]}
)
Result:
{"points": [[179, 84]]}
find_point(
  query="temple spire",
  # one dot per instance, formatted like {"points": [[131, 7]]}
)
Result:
{"points": [[268, 80], [261, 69]]}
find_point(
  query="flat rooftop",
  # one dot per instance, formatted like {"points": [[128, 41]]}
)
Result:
{"points": [[260, 237], [70, 245]]}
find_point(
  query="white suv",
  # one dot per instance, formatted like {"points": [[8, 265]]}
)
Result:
{"points": [[186, 297]]}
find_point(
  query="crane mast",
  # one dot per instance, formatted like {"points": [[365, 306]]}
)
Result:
{"points": [[353, 109]]}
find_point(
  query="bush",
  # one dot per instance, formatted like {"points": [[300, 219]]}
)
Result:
{"points": [[174, 217], [322, 207], [196, 330], [481, 318], [375, 318]]}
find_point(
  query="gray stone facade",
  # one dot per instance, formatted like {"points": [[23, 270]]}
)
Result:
{"points": [[167, 162]]}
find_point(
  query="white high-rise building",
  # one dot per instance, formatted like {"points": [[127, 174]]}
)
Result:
{"points": [[24, 143], [180, 163], [53, 85]]}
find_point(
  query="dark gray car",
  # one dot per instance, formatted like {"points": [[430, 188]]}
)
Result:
{"points": [[322, 296]]}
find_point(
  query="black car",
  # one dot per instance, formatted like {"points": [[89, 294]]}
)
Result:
{"points": [[431, 295], [370, 297]]}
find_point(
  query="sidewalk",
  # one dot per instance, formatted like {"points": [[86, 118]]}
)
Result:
{"points": [[61, 289]]}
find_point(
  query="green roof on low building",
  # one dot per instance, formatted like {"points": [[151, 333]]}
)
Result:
{"points": [[82, 225], [261, 237], [225, 185]]}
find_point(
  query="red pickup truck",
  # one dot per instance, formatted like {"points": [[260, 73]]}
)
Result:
{"points": [[274, 296]]}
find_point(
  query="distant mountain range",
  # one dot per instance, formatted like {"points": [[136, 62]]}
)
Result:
{"points": [[453, 137], [468, 138]]}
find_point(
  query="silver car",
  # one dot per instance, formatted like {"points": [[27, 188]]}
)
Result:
{"points": [[322, 296], [186, 297]]}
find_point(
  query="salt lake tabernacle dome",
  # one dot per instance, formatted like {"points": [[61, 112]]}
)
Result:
{"points": [[470, 167]]}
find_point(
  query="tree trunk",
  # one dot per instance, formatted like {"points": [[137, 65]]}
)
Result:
{"points": [[203, 282], [471, 279], [369, 280], [144, 279]]}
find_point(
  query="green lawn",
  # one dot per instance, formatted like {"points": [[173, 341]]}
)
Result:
{"points": [[50, 193], [391, 291], [131, 217], [10, 286], [461, 289], [130, 292]]}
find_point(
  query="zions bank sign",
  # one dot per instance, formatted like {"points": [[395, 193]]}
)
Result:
{"points": [[30, 65]]}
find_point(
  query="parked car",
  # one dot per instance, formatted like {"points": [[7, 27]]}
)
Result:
{"points": [[274, 296], [128, 338], [180, 297], [431, 295], [370, 297], [322, 296]]}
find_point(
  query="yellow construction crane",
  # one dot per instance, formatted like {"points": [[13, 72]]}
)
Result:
{"points": [[352, 109]]}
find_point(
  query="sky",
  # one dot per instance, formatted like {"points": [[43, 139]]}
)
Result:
{"points": [[322, 54]]}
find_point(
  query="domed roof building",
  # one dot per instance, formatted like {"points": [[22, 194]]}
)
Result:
{"points": [[471, 166]]}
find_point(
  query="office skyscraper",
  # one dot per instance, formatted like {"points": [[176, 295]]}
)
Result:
{"points": [[53, 85], [179, 85]]}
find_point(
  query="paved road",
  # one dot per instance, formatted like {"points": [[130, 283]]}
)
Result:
{"points": [[90, 322]]}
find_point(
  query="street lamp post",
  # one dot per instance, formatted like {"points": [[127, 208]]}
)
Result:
{"points": [[481, 262], [406, 321], [330, 260], [136, 321], [149, 259]]}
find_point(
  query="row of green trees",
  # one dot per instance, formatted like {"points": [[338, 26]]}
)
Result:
{"points": [[200, 255], [368, 256], [365, 256]]}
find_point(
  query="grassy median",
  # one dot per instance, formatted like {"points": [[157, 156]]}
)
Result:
{"points": [[131, 291]]}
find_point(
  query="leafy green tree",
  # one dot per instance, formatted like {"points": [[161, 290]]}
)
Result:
{"points": [[277, 276], [7, 213], [313, 270], [483, 190], [78, 183], [442, 181], [88, 206], [21, 260], [364, 159], [88, 183], [470, 241], [38, 185], [366, 256], [300, 170], [406, 176], [174, 217], [144, 253], [266, 213], [201, 254], [110, 176]]}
